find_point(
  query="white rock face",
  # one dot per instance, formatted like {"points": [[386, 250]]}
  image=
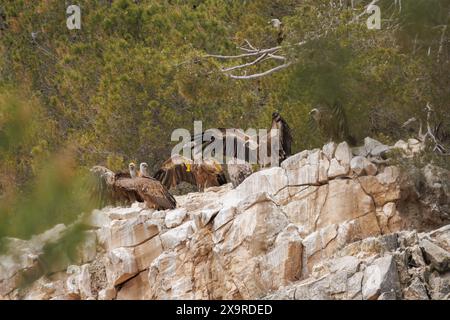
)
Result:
{"points": [[124, 213], [176, 236], [327, 224], [122, 265], [269, 180], [175, 217]]}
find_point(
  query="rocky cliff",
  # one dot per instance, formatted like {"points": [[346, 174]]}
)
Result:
{"points": [[330, 223]]}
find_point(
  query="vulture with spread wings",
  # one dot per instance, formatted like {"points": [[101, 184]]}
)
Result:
{"points": [[177, 169], [236, 144], [331, 121], [125, 188]]}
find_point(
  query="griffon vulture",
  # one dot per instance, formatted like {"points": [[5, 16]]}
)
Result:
{"points": [[332, 123], [177, 169], [250, 143], [126, 188], [210, 173], [285, 135]]}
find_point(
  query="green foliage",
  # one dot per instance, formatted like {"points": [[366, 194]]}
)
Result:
{"points": [[39, 187], [114, 91]]}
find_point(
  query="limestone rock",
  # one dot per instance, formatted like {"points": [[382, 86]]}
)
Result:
{"points": [[84, 282], [440, 286], [415, 146], [343, 154], [124, 213], [324, 225], [362, 166], [305, 171], [146, 252], [127, 233], [122, 265], [135, 289], [324, 166], [402, 145], [176, 236], [384, 187], [107, 294], [98, 218], [175, 217], [283, 263], [436, 256], [329, 149], [336, 169], [269, 180], [380, 277], [416, 291], [223, 217]]}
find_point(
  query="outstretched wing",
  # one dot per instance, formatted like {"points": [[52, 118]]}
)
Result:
{"points": [[103, 188], [179, 169], [231, 139], [313, 126], [175, 170], [340, 120], [340, 117]]}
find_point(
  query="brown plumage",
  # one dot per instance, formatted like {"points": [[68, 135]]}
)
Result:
{"points": [[237, 172], [121, 188], [249, 143], [285, 135], [210, 173], [179, 169], [331, 121]]}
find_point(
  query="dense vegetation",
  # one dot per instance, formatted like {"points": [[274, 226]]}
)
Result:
{"points": [[115, 90]]}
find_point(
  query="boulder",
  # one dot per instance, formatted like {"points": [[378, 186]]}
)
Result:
{"points": [[336, 169], [416, 291], [329, 150], [124, 213], [268, 180], [384, 187], [305, 171], [343, 154], [438, 258], [361, 166], [380, 277]]}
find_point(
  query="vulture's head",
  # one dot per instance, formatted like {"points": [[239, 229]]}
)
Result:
{"points": [[315, 114], [143, 168], [276, 23], [132, 168], [276, 116]]}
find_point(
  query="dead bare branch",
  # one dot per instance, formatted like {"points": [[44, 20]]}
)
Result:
{"points": [[268, 53], [245, 64], [262, 74]]}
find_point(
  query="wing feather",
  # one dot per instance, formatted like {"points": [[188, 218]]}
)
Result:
{"points": [[154, 193], [174, 171], [106, 191]]}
